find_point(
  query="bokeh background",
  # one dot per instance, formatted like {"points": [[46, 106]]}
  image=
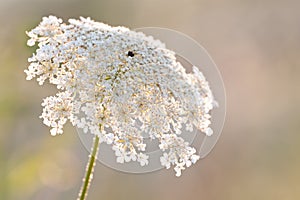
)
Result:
{"points": [[256, 46]]}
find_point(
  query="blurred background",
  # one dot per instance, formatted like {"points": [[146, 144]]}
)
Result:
{"points": [[256, 46]]}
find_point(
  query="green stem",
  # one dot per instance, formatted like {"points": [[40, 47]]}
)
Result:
{"points": [[89, 170]]}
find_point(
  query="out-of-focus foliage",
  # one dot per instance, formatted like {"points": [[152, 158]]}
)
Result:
{"points": [[254, 43]]}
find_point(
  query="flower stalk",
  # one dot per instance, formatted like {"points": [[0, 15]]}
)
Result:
{"points": [[89, 170]]}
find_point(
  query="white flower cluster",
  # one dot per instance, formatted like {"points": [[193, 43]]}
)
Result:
{"points": [[118, 84]]}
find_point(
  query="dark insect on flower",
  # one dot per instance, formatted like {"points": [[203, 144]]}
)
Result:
{"points": [[130, 53]]}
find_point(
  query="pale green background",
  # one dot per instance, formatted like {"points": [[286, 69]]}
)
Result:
{"points": [[256, 46]]}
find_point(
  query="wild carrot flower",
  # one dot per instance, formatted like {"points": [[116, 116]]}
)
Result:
{"points": [[118, 84]]}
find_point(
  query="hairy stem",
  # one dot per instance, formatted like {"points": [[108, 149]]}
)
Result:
{"points": [[89, 170]]}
